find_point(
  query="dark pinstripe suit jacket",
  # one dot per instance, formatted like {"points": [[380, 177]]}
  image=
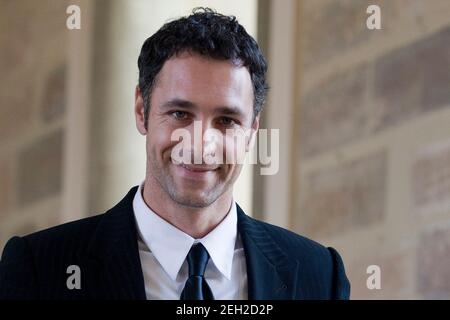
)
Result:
{"points": [[280, 264]]}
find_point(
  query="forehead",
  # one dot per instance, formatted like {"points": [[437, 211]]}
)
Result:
{"points": [[191, 76]]}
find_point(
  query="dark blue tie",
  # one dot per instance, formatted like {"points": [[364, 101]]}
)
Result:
{"points": [[196, 287]]}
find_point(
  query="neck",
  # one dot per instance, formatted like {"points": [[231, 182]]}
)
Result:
{"points": [[194, 221]]}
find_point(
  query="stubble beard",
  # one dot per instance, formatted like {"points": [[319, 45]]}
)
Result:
{"points": [[198, 199]]}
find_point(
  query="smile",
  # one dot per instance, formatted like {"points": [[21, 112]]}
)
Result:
{"points": [[199, 168], [196, 172]]}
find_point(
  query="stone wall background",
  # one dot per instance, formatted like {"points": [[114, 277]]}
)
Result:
{"points": [[372, 141], [33, 64]]}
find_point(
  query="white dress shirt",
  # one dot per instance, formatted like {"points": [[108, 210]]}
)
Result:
{"points": [[163, 249]]}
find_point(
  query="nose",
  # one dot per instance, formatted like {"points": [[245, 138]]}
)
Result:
{"points": [[206, 143], [212, 143]]}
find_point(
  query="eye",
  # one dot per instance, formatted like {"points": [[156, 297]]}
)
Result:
{"points": [[225, 121], [179, 115]]}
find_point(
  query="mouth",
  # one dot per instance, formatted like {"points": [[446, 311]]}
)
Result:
{"points": [[198, 168], [196, 172]]}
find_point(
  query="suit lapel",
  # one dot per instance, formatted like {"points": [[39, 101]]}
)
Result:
{"points": [[270, 272], [113, 267]]}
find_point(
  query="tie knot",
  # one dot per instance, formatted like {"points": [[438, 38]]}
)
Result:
{"points": [[197, 259]]}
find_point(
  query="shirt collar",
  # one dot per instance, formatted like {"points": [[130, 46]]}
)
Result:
{"points": [[170, 245]]}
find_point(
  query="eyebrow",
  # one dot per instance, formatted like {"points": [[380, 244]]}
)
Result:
{"points": [[185, 104], [180, 103], [231, 111]]}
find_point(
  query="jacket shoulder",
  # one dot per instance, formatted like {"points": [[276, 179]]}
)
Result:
{"points": [[31, 263], [70, 238], [294, 243], [316, 259], [79, 230]]}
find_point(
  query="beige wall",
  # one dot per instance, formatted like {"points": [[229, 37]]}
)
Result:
{"points": [[33, 64], [372, 141]]}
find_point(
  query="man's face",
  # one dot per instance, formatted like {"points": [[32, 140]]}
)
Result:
{"points": [[191, 88]]}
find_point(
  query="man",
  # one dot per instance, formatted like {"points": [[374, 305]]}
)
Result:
{"points": [[179, 234]]}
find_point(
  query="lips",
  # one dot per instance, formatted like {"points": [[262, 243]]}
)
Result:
{"points": [[199, 168], [197, 173]]}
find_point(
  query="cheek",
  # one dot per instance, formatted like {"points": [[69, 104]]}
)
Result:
{"points": [[158, 141]]}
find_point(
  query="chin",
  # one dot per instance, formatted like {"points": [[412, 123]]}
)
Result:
{"points": [[193, 202], [200, 199]]}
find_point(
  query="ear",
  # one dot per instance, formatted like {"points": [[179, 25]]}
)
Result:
{"points": [[254, 130], [139, 111]]}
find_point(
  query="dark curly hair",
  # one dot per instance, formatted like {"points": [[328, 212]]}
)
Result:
{"points": [[207, 33]]}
